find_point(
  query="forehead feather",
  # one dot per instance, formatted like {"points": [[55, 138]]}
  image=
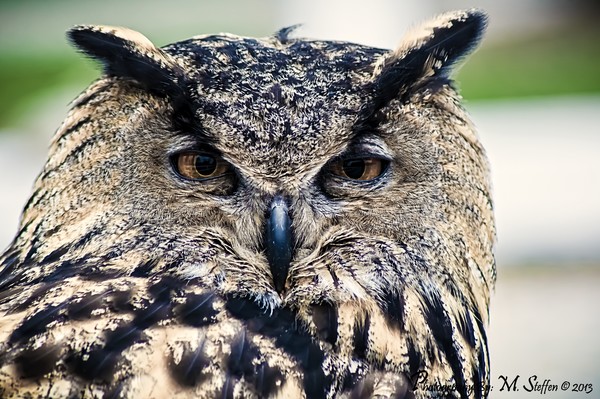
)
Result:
{"points": [[276, 99]]}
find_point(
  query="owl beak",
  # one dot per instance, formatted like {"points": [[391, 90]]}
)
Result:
{"points": [[279, 241]]}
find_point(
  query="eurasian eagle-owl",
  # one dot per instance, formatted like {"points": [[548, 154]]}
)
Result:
{"points": [[237, 217]]}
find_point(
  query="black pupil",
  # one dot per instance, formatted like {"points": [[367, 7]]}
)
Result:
{"points": [[354, 168], [205, 165]]}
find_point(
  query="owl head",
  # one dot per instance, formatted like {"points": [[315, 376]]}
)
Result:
{"points": [[340, 182]]}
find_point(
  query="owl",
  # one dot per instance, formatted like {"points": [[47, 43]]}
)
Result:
{"points": [[234, 217]]}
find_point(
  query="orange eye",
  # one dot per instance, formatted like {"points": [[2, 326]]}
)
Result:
{"points": [[359, 168], [200, 166]]}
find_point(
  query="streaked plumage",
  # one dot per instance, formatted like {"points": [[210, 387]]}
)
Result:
{"points": [[239, 217]]}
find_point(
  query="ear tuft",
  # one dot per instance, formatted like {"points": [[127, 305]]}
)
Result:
{"points": [[129, 54], [428, 52]]}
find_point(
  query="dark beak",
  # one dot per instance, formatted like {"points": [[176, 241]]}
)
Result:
{"points": [[279, 241]]}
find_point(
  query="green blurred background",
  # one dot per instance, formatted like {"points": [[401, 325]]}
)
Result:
{"points": [[35, 59], [533, 89]]}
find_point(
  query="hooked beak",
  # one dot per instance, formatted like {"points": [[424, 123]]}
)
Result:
{"points": [[279, 241]]}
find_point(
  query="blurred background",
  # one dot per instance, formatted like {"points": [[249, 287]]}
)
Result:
{"points": [[533, 90]]}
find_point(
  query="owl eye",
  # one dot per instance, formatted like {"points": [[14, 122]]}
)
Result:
{"points": [[359, 168], [200, 166]]}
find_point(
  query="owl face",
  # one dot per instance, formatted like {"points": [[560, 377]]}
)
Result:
{"points": [[342, 183]]}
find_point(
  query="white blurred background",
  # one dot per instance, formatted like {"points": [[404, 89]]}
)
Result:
{"points": [[533, 90]]}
